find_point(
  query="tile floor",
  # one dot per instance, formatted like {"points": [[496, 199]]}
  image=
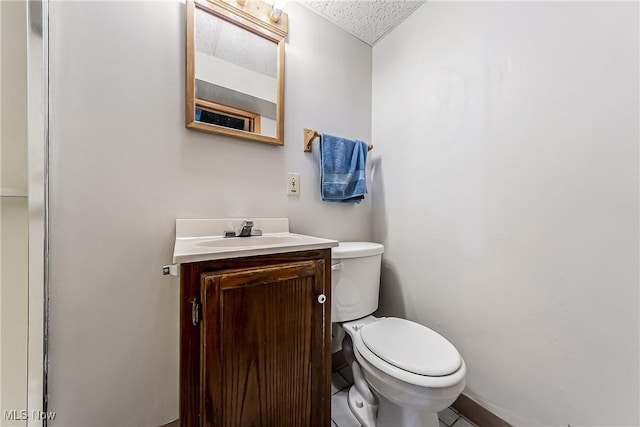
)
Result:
{"points": [[341, 415]]}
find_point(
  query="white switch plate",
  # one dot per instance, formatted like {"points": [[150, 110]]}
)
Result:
{"points": [[293, 184]]}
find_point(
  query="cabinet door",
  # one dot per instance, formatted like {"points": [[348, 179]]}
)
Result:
{"points": [[263, 346]]}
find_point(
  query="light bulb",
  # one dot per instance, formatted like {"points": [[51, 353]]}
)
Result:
{"points": [[276, 10]]}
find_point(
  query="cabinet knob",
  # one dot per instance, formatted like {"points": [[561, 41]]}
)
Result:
{"points": [[322, 298]]}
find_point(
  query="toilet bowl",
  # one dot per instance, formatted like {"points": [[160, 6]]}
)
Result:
{"points": [[411, 372], [404, 373]]}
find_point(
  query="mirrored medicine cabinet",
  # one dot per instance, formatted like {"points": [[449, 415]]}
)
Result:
{"points": [[235, 69]]}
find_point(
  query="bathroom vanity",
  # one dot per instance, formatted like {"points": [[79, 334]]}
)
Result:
{"points": [[255, 331]]}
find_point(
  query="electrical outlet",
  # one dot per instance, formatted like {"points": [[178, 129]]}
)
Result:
{"points": [[293, 184]]}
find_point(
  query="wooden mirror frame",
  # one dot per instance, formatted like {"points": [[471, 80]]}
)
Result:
{"points": [[253, 17]]}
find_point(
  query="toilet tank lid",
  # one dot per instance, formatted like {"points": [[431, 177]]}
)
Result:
{"points": [[356, 250]]}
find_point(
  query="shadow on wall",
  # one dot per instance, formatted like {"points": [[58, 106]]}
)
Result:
{"points": [[378, 210], [391, 297], [391, 301]]}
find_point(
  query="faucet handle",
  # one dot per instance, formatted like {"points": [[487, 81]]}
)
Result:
{"points": [[230, 229]]}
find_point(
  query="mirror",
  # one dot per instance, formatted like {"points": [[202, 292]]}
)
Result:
{"points": [[235, 70]]}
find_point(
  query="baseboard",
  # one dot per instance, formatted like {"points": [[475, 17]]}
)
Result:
{"points": [[174, 423], [477, 414]]}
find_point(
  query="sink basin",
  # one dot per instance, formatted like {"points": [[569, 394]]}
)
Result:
{"points": [[253, 241], [201, 240]]}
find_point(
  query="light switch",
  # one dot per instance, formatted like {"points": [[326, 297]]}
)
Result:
{"points": [[293, 184]]}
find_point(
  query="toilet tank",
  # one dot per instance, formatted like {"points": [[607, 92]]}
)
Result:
{"points": [[355, 280]]}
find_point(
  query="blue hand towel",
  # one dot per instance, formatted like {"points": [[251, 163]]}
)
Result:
{"points": [[342, 169]]}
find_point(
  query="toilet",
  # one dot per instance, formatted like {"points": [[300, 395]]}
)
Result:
{"points": [[404, 373]]}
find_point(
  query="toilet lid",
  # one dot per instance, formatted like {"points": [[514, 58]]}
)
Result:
{"points": [[411, 347]]}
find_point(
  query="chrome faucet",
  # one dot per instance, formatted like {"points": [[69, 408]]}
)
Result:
{"points": [[245, 228]]}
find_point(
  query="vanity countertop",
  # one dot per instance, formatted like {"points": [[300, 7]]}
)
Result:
{"points": [[202, 240]]}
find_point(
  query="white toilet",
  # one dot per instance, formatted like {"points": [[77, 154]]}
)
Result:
{"points": [[404, 373]]}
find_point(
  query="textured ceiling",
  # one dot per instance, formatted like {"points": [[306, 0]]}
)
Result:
{"points": [[231, 43], [368, 20]]}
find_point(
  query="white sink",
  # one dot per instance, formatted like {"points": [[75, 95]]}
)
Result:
{"points": [[202, 240], [253, 241]]}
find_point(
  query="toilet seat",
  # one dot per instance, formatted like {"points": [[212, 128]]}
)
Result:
{"points": [[411, 347], [395, 361]]}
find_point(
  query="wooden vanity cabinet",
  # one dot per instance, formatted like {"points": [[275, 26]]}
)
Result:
{"points": [[255, 341]]}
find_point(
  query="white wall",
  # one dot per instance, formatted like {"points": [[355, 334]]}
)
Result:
{"points": [[14, 95], [123, 168], [506, 194], [13, 210], [231, 76]]}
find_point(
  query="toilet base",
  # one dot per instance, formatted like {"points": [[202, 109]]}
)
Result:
{"points": [[392, 415], [364, 412], [387, 414]]}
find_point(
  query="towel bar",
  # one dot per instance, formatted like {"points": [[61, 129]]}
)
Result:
{"points": [[310, 135]]}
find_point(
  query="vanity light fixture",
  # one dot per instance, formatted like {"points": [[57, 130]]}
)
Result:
{"points": [[261, 12]]}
